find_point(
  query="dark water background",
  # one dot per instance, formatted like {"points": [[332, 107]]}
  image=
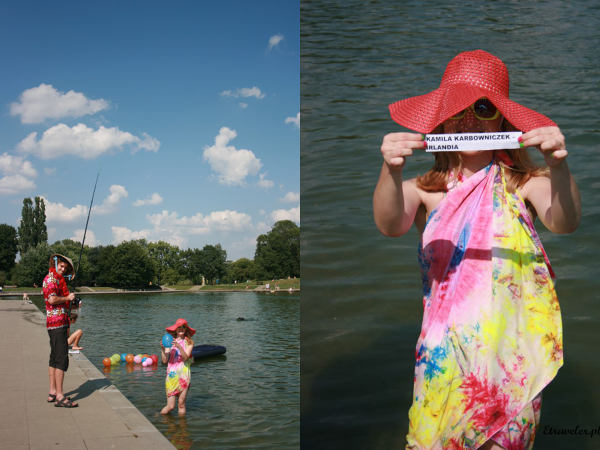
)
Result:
{"points": [[362, 304], [247, 398]]}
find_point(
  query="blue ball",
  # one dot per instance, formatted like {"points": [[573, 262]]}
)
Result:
{"points": [[167, 340], [144, 359], [123, 356]]}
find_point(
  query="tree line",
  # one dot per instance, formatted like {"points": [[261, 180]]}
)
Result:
{"points": [[139, 263]]}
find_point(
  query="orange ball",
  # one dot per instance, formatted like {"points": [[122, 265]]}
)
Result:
{"points": [[129, 358], [145, 355], [107, 362]]}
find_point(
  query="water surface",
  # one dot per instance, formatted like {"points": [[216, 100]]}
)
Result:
{"points": [[247, 398]]}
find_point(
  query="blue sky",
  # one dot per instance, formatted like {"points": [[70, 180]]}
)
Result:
{"points": [[191, 109]]}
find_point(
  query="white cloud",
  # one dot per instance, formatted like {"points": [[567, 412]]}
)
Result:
{"points": [[121, 234], [198, 224], [286, 214], [50, 170], [90, 237], [294, 120], [243, 105], [262, 212], [265, 184], [84, 142], [17, 173], [45, 102], [244, 92], [153, 199], [168, 226], [112, 202], [14, 184], [291, 197], [231, 165], [57, 212], [274, 41]]}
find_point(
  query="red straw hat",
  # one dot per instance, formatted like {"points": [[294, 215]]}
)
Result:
{"points": [[468, 77], [179, 323]]}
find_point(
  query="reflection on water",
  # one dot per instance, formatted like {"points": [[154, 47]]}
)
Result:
{"points": [[362, 306], [247, 398]]}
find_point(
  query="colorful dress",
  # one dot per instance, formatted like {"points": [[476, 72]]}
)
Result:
{"points": [[178, 371], [491, 338]]}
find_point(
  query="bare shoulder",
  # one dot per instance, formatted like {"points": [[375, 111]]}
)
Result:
{"points": [[534, 187]]}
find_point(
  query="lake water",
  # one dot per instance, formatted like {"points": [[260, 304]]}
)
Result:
{"points": [[362, 302], [247, 398]]}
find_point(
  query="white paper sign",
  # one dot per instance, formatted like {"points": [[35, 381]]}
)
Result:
{"points": [[472, 141]]}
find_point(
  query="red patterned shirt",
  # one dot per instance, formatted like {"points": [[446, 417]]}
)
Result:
{"points": [[56, 315]]}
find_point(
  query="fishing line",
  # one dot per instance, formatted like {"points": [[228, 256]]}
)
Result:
{"points": [[85, 231]]}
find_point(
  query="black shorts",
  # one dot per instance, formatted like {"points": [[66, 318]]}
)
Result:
{"points": [[59, 349]]}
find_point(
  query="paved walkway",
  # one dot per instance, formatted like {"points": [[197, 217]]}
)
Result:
{"points": [[105, 419]]}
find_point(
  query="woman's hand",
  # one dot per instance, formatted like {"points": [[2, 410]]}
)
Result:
{"points": [[396, 147], [549, 141]]}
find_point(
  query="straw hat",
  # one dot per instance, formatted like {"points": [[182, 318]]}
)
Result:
{"points": [[468, 77], [189, 330], [70, 270]]}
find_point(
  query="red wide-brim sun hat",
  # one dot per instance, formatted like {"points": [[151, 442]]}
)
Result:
{"points": [[179, 323], [468, 77]]}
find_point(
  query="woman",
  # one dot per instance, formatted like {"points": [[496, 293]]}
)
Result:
{"points": [[491, 337]]}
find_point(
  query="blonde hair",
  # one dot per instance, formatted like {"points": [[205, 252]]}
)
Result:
{"points": [[517, 175]]}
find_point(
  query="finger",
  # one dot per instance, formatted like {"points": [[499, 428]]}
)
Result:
{"points": [[559, 154], [541, 131], [396, 137], [401, 152], [552, 144], [397, 161]]}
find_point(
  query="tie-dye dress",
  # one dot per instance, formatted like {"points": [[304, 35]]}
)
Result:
{"points": [[491, 338], [178, 371]]}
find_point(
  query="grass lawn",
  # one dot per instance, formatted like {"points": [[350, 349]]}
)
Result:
{"points": [[283, 285]]}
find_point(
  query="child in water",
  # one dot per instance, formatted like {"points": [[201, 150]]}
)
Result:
{"points": [[491, 337], [179, 357]]}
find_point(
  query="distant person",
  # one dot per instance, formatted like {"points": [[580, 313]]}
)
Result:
{"points": [[179, 358], [57, 299], [75, 337], [290, 290], [25, 297]]}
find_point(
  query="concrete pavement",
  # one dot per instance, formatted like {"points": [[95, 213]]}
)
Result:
{"points": [[105, 419]]}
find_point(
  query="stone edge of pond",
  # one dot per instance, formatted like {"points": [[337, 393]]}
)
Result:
{"points": [[141, 428]]}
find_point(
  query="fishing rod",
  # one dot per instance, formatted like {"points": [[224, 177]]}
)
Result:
{"points": [[77, 300]]}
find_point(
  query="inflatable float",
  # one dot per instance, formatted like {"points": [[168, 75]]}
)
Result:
{"points": [[203, 351]]}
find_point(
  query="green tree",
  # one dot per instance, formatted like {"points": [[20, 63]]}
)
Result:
{"points": [[26, 227], [278, 252], [131, 265], [191, 264], [39, 219], [33, 266], [8, 247], [165, 256], [213, 263], [105, 267], [241, 270], [32, 230]]}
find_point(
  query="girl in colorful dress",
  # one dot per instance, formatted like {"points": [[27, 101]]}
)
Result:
{"points": [[179, 358], [491, 337]]}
